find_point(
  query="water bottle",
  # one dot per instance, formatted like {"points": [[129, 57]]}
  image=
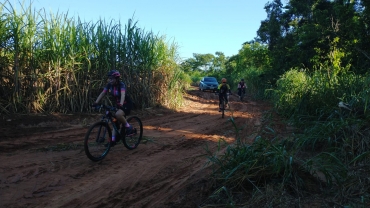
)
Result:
{"points": [[116, 122]]}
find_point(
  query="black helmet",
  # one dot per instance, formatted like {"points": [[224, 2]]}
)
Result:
{"points": [[242, 80], [114, 73]]}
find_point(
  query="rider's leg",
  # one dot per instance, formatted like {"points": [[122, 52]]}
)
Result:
{"points": [[227, 101], [114, 133], [219, 102], [120, 115]]}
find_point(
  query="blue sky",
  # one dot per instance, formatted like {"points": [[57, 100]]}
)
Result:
{"points": [[197, 26]]}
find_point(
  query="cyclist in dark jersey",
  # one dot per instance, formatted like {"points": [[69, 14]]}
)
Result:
{"points": [[241, 87], [223, 89], [118, 90]]}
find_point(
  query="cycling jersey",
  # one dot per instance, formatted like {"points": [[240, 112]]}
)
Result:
{"points": [[223, 89], [241, 85], [115, 91]]}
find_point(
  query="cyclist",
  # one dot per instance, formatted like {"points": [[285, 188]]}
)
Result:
{"points": [[223, 89], [241, 88], [118, 90]]}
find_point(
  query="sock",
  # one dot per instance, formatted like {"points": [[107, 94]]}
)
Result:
{"points": [[113, 138]]}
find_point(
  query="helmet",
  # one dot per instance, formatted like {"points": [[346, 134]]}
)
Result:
{"points": [[242, 80], [223, 80], [114, 73]]}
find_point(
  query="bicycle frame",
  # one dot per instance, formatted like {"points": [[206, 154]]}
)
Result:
{"points": [[108, 117], [98, 138]]}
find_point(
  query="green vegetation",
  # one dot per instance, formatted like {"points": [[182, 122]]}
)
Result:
{"points": [[53, 63], [314, 57]]}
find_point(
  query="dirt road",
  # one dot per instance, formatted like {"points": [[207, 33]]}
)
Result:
{"points": [[43, 163]]}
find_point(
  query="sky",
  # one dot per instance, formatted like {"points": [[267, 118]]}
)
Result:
{"points": [[196, 26]]}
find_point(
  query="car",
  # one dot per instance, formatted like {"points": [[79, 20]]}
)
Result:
{"points": [[208, 83]]}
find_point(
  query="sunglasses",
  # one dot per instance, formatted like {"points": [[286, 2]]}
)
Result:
{"points": [[223, 82]]}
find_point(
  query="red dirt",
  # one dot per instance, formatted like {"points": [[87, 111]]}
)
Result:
{"points": [[43, 163]]}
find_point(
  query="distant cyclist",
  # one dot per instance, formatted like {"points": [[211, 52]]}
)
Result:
{"points": [[118, 90], [241, 87], [223, 89]]}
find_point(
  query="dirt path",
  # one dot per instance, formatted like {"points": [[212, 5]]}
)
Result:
{"points": [[43, 163]]}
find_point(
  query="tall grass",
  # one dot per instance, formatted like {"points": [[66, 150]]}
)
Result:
{"points": [[281, 172], [325, 162], [300, 93], [54, 63]]}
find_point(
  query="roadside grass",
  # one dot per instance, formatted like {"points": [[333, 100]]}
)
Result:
{"points": [[301, 169]]}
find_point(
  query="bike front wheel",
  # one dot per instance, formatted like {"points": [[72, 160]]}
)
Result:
{"points": [[97, 141], [133, 140]]}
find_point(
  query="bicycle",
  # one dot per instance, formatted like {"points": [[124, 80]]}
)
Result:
{"points": [[97, 142], [241, 94], [223, 105]]}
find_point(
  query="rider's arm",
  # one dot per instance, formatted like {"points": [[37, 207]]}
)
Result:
{"points": [[123, 94], [100, 96], [219, 87]]}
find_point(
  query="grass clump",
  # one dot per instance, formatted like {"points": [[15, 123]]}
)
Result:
{"points": [[292, 171]]}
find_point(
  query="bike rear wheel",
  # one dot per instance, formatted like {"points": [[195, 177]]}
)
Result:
{"points": [[97, 141], [132, 141], [241, 94], [223, 108]]}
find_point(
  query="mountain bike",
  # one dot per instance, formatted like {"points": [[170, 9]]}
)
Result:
{"points": [[241, 94], [223, 105], [97, 142]]}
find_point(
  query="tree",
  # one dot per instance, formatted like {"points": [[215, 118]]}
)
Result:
{"points": [[204, 60], [218, 62]]}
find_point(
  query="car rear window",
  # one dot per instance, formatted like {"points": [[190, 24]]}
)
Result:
{"points": [[210, 79]]}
